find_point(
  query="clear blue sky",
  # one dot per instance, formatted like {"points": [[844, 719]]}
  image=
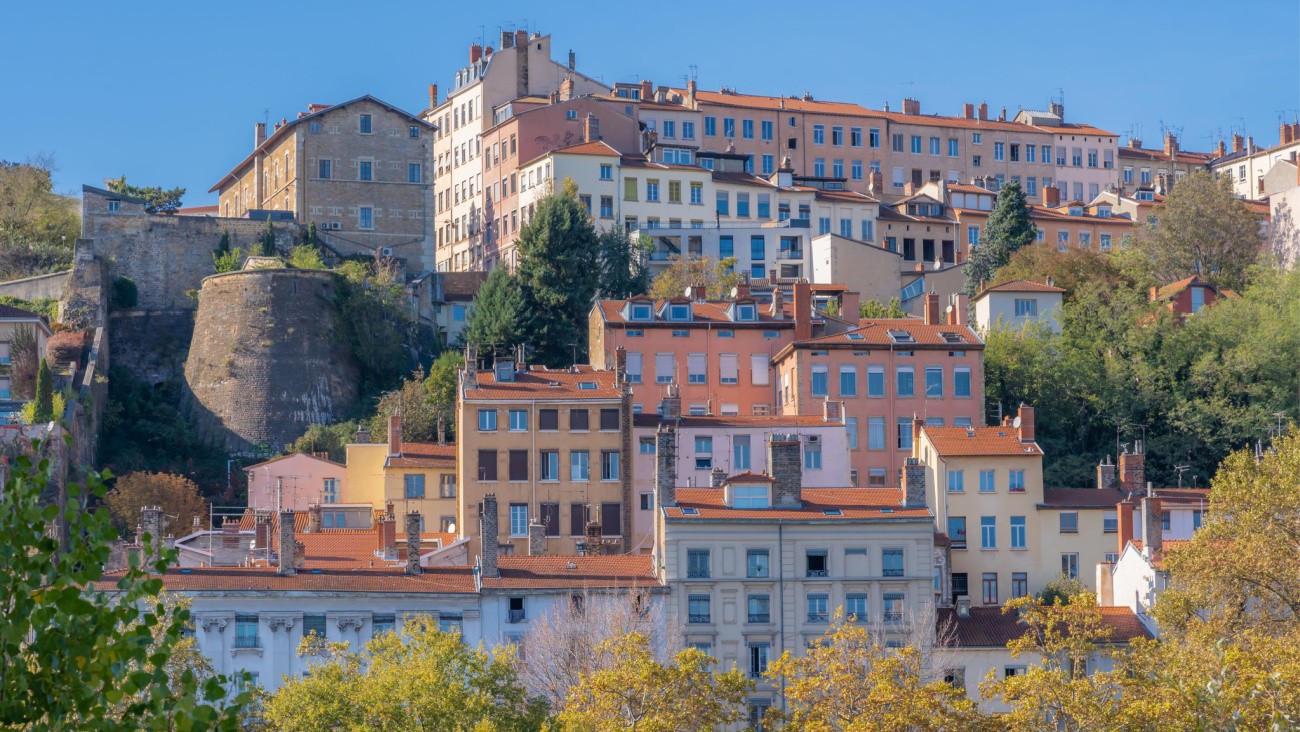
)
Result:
{"points": [[167, 93]]}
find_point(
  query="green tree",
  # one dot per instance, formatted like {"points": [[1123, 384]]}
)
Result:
{"points": [[372, 320], [441, 386], [497, 312], [24, 362], [420, 679], [227, 261], [313, 236], [412, 400], [1069, 270], [305, 256], [82, 650], [156, 198], [1202, 228], [267, 242], [37, 226], [332, 439], [718, 278], [177, 495], [622, 265], [637, 691], [44, 410], [1008, 229], [559, 271], [874, 309], [125, 294]]}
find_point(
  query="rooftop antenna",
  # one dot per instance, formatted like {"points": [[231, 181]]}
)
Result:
{"points": [[1181, 469]]}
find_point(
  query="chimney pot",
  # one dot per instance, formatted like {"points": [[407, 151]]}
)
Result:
{"points": [[394, 435], [488, 533], [665, 466], [288, 545], [413, 542], [785, 465], [475, 53]]}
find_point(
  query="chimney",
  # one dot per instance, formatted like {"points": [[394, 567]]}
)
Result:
{"points": [[363, 434], [960, 306], [784, 464], [151, 523], [1002, 117], [717, 477], [591, 128], [442, 430], [1171, 144], [413, 542], [313, 518], [1284, 136], [1152, 524], [387, 535], [913, 483], [1220, 150], [968, 111], [394, 435], [1057, 109], [647, 90], [620, 363], [471, 366], [595, 547], [1051, 196], [690, 94], [433, 96], [259, 134], [932, 308], [802, 311], [1026, 416], [832, 411], [778, 307], [741, 290], [507, 39], [1237, 143], [876, 184], [536, 538], [1124, 519], [488, 528], [1132, 470], [911, 106], [918, 424], [1134, 143], [984, 111], [963, 606], [521, 39], [566, 88], [850, 306], [665, 466], [475, 53], [1107, 475], [573, 60], [288, 545], [262, 532]]}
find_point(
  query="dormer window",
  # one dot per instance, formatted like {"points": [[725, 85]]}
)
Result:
{"points": [[901, 336], [750, 496], [641, 311], [1076, 210], [1145, 196], [679, 311], [1103, 212], [505, 372], [746, 313]]}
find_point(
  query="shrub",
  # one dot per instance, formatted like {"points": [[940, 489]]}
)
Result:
{"points": [[61, 348], [125, 294]]}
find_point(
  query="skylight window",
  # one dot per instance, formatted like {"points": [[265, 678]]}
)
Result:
{"points": [[856, 337], [950, 337], [901, 336], [832, 512], [690, 512], [587, 385]]}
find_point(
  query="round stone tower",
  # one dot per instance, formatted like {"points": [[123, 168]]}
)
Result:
{"points": [[265, 362]]}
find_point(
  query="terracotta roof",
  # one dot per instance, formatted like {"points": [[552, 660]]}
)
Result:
{"points": [[875, 332], [771, 421], [1183, 496], [1020, 286], [286, 457], [1159, 156], [777, 103], [424, 455], [750, 477], [1074, 128], [703, 314], [1044, 212], [961, 441], [198, 210], [450, 580], [822, 194], [939, 120], [1082, 498], [1168, 291], [543, 383], [744, 179], [550, 572], [636, 161], [852, 503], [989, 627], [9, 311]]}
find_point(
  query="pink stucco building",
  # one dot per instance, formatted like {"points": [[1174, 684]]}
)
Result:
{"points": [[294, 482], [885, 372]]}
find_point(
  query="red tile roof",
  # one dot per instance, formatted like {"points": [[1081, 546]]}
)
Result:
{"points": [[424, 455], [1159, 156], [1168, 291], [777, 103], [286, 457], [853, 504], [9, 311], [989, 627], [992, 441], [1020, 286], [771, 421], [564, 572], [703, 314], [452, 580], [1183, 496], [939, 120], [875, 332], [543, 383], [1082, 498]]}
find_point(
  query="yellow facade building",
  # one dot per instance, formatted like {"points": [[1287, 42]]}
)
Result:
{"points": [[411, 476]]}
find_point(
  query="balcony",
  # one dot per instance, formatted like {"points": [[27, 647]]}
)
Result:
{"points": [[245, 641], [788, 254], [760, 617], [817, 617], [699, 618], [816, 573]]}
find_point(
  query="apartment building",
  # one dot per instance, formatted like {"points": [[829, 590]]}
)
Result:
{"points": [[520, 69], [359, 170], [1084, 156], [887, 372], [1018, 304], [411, 477], [1158, 169], [554, 446], [294, 482], [1248, 164], [1099, 225], [760, 564]]}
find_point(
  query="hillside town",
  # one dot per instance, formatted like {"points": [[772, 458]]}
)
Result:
{"points": [[649, 390]]}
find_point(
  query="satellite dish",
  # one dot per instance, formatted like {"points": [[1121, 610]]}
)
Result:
{"points": [[1016, 423]]}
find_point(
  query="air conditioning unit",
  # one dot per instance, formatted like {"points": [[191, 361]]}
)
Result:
{"points": [[334, 225], [814, 439], [386, 251]]}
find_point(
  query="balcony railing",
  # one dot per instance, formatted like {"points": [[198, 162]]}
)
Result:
{"points": [[245, 641], [790, 254], [760, 617], [817, 617], [699, 618], [816, 573]]}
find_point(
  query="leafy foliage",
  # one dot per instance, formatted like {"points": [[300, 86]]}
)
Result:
{"points": [[305, 256], [559, 272], [623, 271], [332, 439], [873, 309], [1202, 228], [421, 679], [177, 495], [496, 312], [72, 656], [44, 409], [37, 226], [23, 362], [1008, 229], [125, 294], [1069, 270], [718, 278], [266, 244], [373, 323], [157, 199], [228, 261]]}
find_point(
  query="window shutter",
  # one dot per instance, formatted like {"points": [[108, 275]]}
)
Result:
{"points": [[578, 419], [487, 464], [548, 419], [518, 465], [609, 419], [730, 368], [578, 519], [551, 518], [611, 519], [758, 369]]}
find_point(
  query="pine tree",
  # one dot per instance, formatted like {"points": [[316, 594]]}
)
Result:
{"points": [[622, 268], [495, 314], [1008, 229], [44, 393], [223, 245], [268, 240], [559, 273]]}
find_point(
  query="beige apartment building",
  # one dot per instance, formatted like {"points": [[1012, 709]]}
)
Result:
{"points": [[553, 446], [1084, 155], [358, 170], [760, 565], [1248, 163], [1158, 170], [480, 98]]}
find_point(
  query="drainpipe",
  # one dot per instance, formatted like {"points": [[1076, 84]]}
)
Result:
{"points": [[780, 583]]}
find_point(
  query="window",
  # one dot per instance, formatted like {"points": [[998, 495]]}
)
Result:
{"points": [[728, 127], [413, 485], [381, 624], [607, 207], [365, 170], [1026, 307], [816, 563], [609, 466], [324, 168], [609, 419], [904, 433], [518, 420], [516, 611], [246, 631], [740, 453], [759, 371], [819, 380], [812, 456], [895, 606], [757, 564], [519, 519], [987, 483], [875, 381], [819, 167], [579, 420], [1197, 517], [487, 465], [765, 129], [518, 465], [904, 382], [114, 206], [629, 189], [365, 217], [988, 532], [1016, 481], [365, 125], [579, 465], [933, 381], [819, 134], [1070, 565], [331, 490], [961, 381], [1164, 521], [892, 562], [698, 610], [652, 190], [1069, 522], [916, 144], [759, 654], [855, 607], [957, 531], [990, 586], [447, 485], [818, 608], [956, 481], [759, 608], [549, 465], [606, 171], [1019, 584], [1017, 532], [413, 173], [710, 126]]}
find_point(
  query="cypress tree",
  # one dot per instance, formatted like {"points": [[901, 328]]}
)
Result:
{"points": [[44, 393], [1008, 229], [495, 313], [268, 240], [559, 273]]}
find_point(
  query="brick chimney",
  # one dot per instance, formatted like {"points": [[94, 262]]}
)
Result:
{"points": [[1026, 415], [932, 308], [647, 90], [591, 128], [1124, 519], [1171, 144], [918, 424], [595, 546], [521, 39], [1152, 524], [802, 311], [413, 542], [363, 434], [471, 366], [536, 537], [475, 53], [394, 435], [778, 306], [1107, 475], [1220, 150], [785, 465], [958, 308], [433, 96], [1284, 136], [671, 407], [690, 94], [984, 110], [1238, 142], [1132, 470], [259, 134], [566, 89], [488, 532], [261, 532], [911, 106], [968, 111], [665, 466], [387, 535], [1134, 143], [1051, 196], [876, 183], [288, 545], [313, 518], [913, 483], [832, 411], [573, 60]]}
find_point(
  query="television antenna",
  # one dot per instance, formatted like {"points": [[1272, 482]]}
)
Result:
{"points": [[1181, 469]]}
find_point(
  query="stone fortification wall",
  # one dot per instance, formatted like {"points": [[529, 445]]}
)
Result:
{"points": [[264, 361], [151, 344]]}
